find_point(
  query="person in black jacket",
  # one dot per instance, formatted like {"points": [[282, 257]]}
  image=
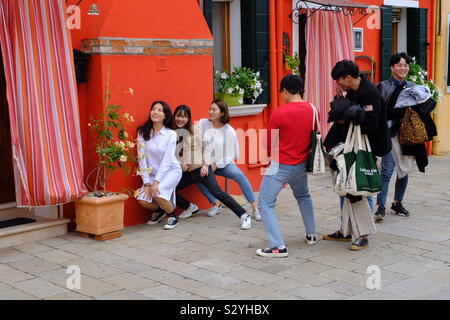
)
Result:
{"points": [[365, 107]]}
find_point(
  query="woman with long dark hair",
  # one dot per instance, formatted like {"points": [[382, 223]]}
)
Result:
{"points": [[222, 149], [195, 169], [158, 166]]}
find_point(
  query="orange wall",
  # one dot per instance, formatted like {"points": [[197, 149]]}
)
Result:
{"points": [[188, 79]]}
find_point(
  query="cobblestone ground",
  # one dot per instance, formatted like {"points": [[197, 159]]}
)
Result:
{"points": [[211, 258]]}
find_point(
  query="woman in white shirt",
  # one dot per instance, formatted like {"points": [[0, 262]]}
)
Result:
{"points": [[158, 165], [221, 148]]}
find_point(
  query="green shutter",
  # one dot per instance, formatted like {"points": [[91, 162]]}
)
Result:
{"points": [[207, 12], [386, 41], [255, 41], [417, 35]]}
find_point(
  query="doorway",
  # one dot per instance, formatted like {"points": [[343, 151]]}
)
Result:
{"points": [[7, 190]]}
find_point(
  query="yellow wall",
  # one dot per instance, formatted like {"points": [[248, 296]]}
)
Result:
{"points": [[441, 143]]}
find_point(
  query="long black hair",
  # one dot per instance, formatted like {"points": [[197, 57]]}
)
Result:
{"points": [[147, 127], [186, 111]]}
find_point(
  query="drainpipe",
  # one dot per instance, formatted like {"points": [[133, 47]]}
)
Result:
{"points": [[273, 56], [437, 73], [279, 41]]}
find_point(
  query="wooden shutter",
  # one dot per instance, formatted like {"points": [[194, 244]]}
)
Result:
{"points": [[417, 35], [255, 41], [386, 41]]}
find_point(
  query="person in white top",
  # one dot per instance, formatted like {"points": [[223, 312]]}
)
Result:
{"points": [[221, 148], [158, 165]]}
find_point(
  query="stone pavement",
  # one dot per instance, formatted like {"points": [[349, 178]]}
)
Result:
{"points": [[211, 258]]}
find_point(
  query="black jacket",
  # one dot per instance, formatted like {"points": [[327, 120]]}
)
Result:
{"points": [[374, 122]]}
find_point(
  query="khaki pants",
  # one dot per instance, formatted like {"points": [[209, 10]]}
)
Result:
{"points": [[357, 219]]}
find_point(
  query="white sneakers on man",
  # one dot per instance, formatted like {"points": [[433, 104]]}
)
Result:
{"points": [[246, 221], [213, 211], [189, 211]]}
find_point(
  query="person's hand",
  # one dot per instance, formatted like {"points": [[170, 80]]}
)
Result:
{"points": [[154, 189], [184, 166], [204, 171], [147, 192], [339, 91]]}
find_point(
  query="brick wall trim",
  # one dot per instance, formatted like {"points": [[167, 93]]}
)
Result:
{"points": [[129, 46]]}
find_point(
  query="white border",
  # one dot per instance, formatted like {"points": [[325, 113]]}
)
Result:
{"points": [[447, 46], [402, 3], [362, 39]]}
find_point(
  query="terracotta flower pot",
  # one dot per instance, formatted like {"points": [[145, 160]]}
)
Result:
{"points": [[100, 215]]}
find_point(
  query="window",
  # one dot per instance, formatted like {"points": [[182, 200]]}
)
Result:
{"points": [[358, 35]]}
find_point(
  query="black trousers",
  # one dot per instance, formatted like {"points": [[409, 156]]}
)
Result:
{"points": [[211, 184]]}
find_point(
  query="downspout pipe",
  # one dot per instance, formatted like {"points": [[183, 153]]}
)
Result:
{"points": [[279, 43], [273, 56]]}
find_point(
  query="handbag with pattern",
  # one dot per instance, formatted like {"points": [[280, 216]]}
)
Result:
{"points": [[412, 129]]}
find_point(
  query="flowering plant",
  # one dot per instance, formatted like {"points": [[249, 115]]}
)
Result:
{"points": [[293, 62], [114, 146], [242, 81], [418, 76]]}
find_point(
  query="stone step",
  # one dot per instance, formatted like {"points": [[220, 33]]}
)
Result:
{"points": [[40, 230]]}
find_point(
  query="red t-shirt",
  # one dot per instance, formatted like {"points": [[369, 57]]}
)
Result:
{"points": [[295, 123]]}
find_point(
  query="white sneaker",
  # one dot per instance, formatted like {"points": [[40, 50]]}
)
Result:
{"points": [[311, 239], [257, 215], [189, 211], [246, 222], [213, 211]]}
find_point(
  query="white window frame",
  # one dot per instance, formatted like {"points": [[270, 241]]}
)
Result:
{"points": [[361, 30], [402, 3]]}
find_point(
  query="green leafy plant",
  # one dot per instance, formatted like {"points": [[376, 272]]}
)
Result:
{"points": [[418, 75], [113, 145], [242, 81], [293, 62]]}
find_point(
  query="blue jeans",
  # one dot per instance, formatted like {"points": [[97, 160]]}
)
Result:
{"points": [[387, 168], [271, 186], [231, 171]]}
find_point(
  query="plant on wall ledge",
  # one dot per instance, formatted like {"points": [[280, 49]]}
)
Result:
{"points": [[418, 75], [242, 83], [292, 63]]}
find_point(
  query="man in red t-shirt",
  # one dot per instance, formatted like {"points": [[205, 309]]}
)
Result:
{"points": [[289, 138]]}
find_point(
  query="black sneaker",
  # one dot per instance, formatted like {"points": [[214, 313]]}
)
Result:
{"points": [[272, 252], [399, 209], [359, 244], [380, 213], [311, 239], [337, 236], [172, 222], [156, 217]]}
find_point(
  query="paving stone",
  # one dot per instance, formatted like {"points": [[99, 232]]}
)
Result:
{"points": [[33, 265], [211, 278], [345, 288], [165, 263], [92, 287], [93, 268], [68, 296], [335, 262], [159, 275], [39, 288], [254, 276], [305, 277], [123, 295], [349, 277], [32, 248], [211, 292], [56, 256], [130, 282], [14, 294], [164, 292], [217, 265], [54, 242], [183, 284], [10, 275], [249, 289]]}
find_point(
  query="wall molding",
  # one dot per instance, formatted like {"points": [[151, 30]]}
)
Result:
{"points": [[158, 47]]}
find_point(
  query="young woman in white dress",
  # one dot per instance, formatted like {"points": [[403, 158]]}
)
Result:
{"points": [[159, 168]]}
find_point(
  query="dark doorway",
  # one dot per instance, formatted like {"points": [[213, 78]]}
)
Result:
{"points": [[7, 193], [302, 45]]}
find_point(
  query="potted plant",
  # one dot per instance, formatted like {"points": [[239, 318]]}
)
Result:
{"points": [[418, 76], [228, 89], [292, 63], [250, 81], [101, 212]]}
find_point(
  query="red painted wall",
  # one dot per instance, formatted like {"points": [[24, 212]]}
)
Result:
{"points": [[187, 80]]}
